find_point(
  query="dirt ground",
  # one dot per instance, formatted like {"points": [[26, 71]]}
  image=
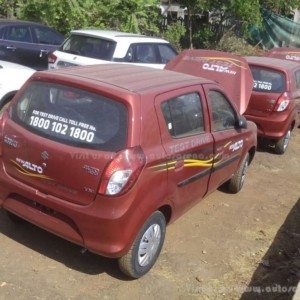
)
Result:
{"points": [[244, 246]]}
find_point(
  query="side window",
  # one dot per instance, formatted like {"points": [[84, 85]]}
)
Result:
{"points": [[224, 116], [166, 53], [297, 76], [183, 115], [142, 53], [47, 36], [19, 34]]}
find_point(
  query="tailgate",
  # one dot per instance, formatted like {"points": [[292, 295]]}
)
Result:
{"points": [[59, 140]]}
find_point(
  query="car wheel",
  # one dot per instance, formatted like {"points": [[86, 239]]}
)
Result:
{"points": [[14, 218], [145, 248], [237, 181], [282, 144]]}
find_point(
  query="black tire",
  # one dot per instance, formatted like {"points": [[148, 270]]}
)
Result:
{"points": [[282, 144], [14, 218], [237, 181], [136, 265]]}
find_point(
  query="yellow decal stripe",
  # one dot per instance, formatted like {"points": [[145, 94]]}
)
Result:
{"points": [[234, 61]]}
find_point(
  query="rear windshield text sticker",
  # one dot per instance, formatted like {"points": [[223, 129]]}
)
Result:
{"points": [[64, 126]]}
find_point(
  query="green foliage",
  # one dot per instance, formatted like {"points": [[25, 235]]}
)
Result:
{"points": [[174, 33], [283, 7], [63, 15], [231, 43], [203, 38], [139, 16]]}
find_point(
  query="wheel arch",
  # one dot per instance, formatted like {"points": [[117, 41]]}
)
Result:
{"points": [[7, 97], [251, 154], [166, 210]]}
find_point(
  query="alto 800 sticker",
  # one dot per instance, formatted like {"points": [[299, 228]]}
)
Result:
{"points": [[64, 126]]}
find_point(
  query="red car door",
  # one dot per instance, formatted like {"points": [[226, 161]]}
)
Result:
{"points": [[188, 143], [228, 141]]}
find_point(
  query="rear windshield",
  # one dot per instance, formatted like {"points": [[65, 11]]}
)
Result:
{"points": [[269, 81], [72, 116], [89, 47]]}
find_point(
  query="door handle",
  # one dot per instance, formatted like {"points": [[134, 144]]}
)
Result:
{"points": [[43, 51], [11, 48]]}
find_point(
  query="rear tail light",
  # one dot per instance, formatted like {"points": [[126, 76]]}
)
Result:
{"points": [[52, 58], [122, 172], [282, 102]]}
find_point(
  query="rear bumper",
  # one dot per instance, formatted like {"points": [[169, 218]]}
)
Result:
{"points": [[273, 126], [106, 226]]}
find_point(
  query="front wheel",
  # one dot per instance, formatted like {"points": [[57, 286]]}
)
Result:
{"points": [[146, 247], [282, 144], [237, 181]]}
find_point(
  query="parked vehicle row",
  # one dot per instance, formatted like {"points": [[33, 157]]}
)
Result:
{"points": [[106, 155], [276, 89]]}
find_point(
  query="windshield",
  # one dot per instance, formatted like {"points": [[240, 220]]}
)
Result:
{"points": [[266, 80], [72, 116], [87, 46]]}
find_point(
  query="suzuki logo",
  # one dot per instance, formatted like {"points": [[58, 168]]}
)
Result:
{"points": [[44, 155]]}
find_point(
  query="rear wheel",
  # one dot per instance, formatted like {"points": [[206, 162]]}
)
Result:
{"points": [[282, 144], [146, 247], [237, 181]]}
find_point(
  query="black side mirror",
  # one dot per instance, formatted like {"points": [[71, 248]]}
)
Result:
{"points": [[242, 122]]}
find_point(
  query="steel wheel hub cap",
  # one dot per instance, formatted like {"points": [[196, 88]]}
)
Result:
{"points": [[149, 245]]}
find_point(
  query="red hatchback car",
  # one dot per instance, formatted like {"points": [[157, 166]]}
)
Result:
{"points": [[272, 106], [288, 54], [106, 155]]}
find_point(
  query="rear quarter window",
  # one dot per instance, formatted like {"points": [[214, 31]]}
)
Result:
{"points": [[268, 81], [183, 115], [72, 116]]}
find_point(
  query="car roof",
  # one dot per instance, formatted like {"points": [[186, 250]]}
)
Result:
{"points": [[4, 22], [129, 77], [284, 53], [118, 35], [274, 63]]}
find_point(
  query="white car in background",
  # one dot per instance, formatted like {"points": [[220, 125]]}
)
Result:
{"points": [[12, 77], [91, 46]]}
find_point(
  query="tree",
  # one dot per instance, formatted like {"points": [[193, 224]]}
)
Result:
{"points": [[138, 16], [282, 7]]}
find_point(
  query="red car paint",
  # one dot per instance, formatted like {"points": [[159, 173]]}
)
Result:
{"points": [[49, 180], [288, 54], [284, 53], [264, 102], [231, 71]]}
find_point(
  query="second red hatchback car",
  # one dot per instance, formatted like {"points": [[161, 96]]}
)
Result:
{"points": [[272, 106]]}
